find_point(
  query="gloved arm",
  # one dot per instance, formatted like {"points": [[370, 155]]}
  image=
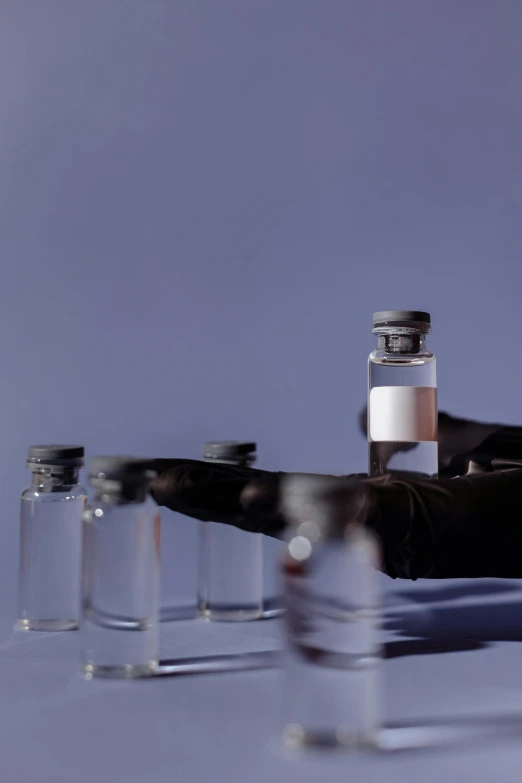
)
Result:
{"points": [[468, 526], [219, 493]]}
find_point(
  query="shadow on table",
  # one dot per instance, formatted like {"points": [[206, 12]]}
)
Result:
{"points": [[464, 624], [452, 629], [401, 648], [443, 732], [439, 630], [424, 595], [216, 664]]}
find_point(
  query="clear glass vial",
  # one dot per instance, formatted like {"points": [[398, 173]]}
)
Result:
{"points": [[332, 655], [50, 540], [402, 395], [230, 582], [121, 570]]}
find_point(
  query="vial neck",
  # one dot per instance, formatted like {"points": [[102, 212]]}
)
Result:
{"points": [[402, 343], [54, 478]]}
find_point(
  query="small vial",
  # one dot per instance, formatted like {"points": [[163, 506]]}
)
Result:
{"points": [[332, 655], [402, 395], [50, 540], [121, 569], [230, 584]]}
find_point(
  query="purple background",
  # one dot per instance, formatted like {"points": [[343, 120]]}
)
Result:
{"points": [[203, 202]]}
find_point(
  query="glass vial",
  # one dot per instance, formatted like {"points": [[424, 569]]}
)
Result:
{"points": [[402, 395], [50, 540], [332, 656], [230, 583], [121, 569]]}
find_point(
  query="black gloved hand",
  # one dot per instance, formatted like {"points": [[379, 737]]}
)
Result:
{"points": [[463, 440], [460, 527], [218, 493]]}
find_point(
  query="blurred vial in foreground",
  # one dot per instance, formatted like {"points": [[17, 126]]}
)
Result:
{"points": [[332, 653], [50, 540], [121, 568], [230, 586]]}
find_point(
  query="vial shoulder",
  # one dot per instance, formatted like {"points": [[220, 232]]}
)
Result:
{"points": [[76, 492], [412, 360]]}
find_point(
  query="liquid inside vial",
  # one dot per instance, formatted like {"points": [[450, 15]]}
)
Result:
{"points": [[416, 456], [121, 590], [231, 573], [50, 560]]}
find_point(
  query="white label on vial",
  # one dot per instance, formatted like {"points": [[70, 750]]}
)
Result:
{"points": [[403, 413]]}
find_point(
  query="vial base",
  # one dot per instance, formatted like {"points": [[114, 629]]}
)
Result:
{"points": [[120, 672], [419, 457], [47, 625], [296, 736], [271, 610], [230, 615], [331, 707], [230, 586], [118, 646]]}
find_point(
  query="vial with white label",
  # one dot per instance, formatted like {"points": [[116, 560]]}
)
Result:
{"points": [[50, 540], [402, 395], [230, 583], [332, 655], [121, 568]]}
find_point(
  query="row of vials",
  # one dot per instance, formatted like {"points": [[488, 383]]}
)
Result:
{"points": [[97, 566]]}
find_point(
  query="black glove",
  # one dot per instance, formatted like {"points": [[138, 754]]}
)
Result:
{"points": [[462, 441], [468, 526], [219, 493]]}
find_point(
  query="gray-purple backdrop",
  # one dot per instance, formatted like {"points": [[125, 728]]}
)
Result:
{"points": [[202, 202]]}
